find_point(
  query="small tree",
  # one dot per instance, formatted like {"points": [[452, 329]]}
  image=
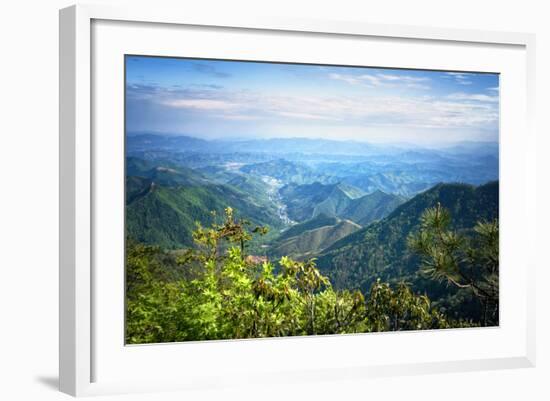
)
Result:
{"points": [[396, 309], [466, 262], [150, 298]]}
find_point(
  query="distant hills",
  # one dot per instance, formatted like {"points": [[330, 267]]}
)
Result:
{"points": [[340, 200], [399, 169], [185, 143], [182, 143], [288, 172]]}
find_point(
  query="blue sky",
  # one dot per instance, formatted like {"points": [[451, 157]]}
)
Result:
{"points": [[232, 99]]}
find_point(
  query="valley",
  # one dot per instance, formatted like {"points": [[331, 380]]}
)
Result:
{"points": [[272, 191]]}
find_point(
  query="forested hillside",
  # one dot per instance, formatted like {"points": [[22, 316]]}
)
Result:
{"points": [[379, 251], [164, 212]]}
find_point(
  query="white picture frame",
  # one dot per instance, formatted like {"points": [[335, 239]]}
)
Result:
{"points": [[80, 340]]}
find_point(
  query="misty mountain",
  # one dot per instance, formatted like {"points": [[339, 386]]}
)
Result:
{"points": [[136, 142], [401, 169], [287, 172], [182, 143]]}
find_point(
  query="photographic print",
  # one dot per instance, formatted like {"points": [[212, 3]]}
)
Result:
{"points": [[271, 199]]}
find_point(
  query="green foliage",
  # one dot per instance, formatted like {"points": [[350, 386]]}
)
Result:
{"points": [[401, 309], [219, 291], [465, 262], [150, 296]]}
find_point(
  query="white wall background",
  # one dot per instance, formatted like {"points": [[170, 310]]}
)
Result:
{"points": [[29, 196]]}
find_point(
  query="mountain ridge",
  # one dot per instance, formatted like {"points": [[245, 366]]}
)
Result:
{"points": [[310, 242], [379, 250]]}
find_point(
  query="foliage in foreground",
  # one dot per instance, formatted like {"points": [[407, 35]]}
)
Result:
{"points": [[215, 291], [467, 262]]}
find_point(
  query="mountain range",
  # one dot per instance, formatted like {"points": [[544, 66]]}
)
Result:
{"points": [[398, 169]]}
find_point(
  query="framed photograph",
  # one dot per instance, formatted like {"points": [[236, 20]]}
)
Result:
{"points": [[299, 200]]}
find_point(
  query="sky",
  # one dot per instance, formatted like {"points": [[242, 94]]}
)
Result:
{"points": [[238, 99]]}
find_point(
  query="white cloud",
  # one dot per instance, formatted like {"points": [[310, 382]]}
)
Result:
{"points": [[402, 78], [478, 97], [371, 79], [346, 78], [238, 117], [461, 78], [202, 104], [387, 80], [458, 110], [306, 116]]}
